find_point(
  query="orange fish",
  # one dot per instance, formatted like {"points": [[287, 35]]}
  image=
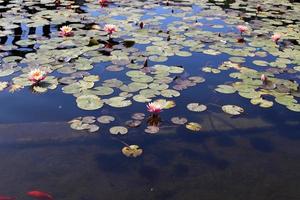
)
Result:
{"points": [[7, 198], [40, 195]]}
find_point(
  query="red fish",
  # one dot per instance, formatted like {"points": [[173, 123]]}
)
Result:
{"points": [[7, 198], [40, 195]]}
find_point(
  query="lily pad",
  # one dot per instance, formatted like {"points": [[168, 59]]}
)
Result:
{"points": [[132, 151], [179, 120], [196, 107], [193, 126], [105, 119], [118, 130], [232, 109], [89, 102]]}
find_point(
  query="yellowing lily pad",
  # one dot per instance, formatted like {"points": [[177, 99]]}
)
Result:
{"points": [[132, 151], [193, 126]]}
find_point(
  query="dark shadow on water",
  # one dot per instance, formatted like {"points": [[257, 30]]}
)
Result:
{"points": [[207, 158], [150, 173], [114, 163], [164, 157], [262, 145], [180, 170], [225, 141], [165, 195]]}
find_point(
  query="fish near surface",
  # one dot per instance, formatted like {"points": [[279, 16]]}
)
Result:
{"points": [[40, 195]]}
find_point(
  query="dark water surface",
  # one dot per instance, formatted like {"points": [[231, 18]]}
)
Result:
{"points": [[253, 156]]}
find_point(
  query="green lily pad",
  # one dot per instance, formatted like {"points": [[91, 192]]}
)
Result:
{"points": [[89, 102], [226, 89], [196, 107]]}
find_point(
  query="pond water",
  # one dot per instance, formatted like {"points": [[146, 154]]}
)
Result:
{"points": [[229, 121]]}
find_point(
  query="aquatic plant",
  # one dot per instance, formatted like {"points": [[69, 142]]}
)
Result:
{"points": [[110, 29], [66, 31], [276, 37], [154, 107], [36, 75], [242, 29]]}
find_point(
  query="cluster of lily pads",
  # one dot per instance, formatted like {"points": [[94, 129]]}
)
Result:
{"points": [[126, 38]]}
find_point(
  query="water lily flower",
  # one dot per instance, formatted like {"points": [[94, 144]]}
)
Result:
{"points": [[103, 3], [263, 78], [36, 75], [276, 37], [154, 107], [110, 28], [242, 28], [66, 31]]}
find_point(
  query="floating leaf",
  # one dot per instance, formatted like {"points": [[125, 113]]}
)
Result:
{"points": [[132, 151], [118, 102], [3, 85], [226, 89], [152, 129], [118, 130], [89, 102], [179, 120], [232, 109], [6, 72], [93, 128], [196, 107], [193, 126], [138, 116], [262, 102], [105, 119], [133, 123]]}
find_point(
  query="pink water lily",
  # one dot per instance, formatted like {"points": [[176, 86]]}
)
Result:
{"points": [[110, 28], [154, 107], [66, 31], [263, 78], [276, 37], [242, 28], [36, 75], [103, 3]]}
